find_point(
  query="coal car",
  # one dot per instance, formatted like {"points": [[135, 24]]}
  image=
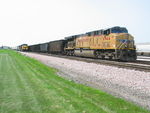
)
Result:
{"points": [[34, 48], [56, 47], [44, 47]]}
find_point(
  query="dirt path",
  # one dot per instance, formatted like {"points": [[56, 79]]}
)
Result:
{"points": [[128, 84]]}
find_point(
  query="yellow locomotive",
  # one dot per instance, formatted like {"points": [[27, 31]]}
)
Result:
{"points": [[113, 43], [23, 47]]}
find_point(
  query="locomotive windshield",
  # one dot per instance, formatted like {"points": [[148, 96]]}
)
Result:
{"points": [[119, 30]]}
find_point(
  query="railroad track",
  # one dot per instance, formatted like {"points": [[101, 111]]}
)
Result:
{"points": [[142, 62], [137, 65]]}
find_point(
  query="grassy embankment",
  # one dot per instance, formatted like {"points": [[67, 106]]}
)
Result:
{"points": [[27, 85]]}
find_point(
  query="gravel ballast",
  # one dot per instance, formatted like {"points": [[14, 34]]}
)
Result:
{"points": [[125, 83]]}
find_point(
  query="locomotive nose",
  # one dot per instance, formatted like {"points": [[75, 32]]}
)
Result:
{"points": [[125, 41], [126, 47]]}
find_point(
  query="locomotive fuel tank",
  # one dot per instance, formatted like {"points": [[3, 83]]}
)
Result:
{"points": [[84, 52]]}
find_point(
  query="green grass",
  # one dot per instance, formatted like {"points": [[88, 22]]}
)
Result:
{"points": [[28, 86]]}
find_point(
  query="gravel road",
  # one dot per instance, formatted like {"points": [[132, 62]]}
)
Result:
{"points": [[129, 84]]}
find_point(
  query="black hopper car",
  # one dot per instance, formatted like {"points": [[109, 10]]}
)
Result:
{"points": [[54, 47]]}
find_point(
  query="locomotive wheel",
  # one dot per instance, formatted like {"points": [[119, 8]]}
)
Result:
{"points": [[110, 57], [103, 57], [67, 53], [73, 53], [98, 54], [123, 56]]}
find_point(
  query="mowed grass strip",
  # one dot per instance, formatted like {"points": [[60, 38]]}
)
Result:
{"points": [[28, 86]]}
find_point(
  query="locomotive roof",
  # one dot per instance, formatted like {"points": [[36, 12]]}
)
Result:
{"points": [[101, 31], [118, 28], [93, 32]]}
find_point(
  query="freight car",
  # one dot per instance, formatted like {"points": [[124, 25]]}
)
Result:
{"points": [[56, 47], [34, 48], [31, 48], [44, 47], [113, 43]]}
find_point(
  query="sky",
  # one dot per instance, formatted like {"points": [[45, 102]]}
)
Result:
{"points": [[39, 21]]}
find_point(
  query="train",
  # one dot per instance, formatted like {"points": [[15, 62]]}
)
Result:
{"points": [[114, 43], [23, 47]]}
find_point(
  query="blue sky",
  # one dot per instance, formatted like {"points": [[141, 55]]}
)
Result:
{"points": [[38, 21], [133, 14]]}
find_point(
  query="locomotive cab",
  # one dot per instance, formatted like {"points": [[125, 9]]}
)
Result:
{"points": [[125, 49]]}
